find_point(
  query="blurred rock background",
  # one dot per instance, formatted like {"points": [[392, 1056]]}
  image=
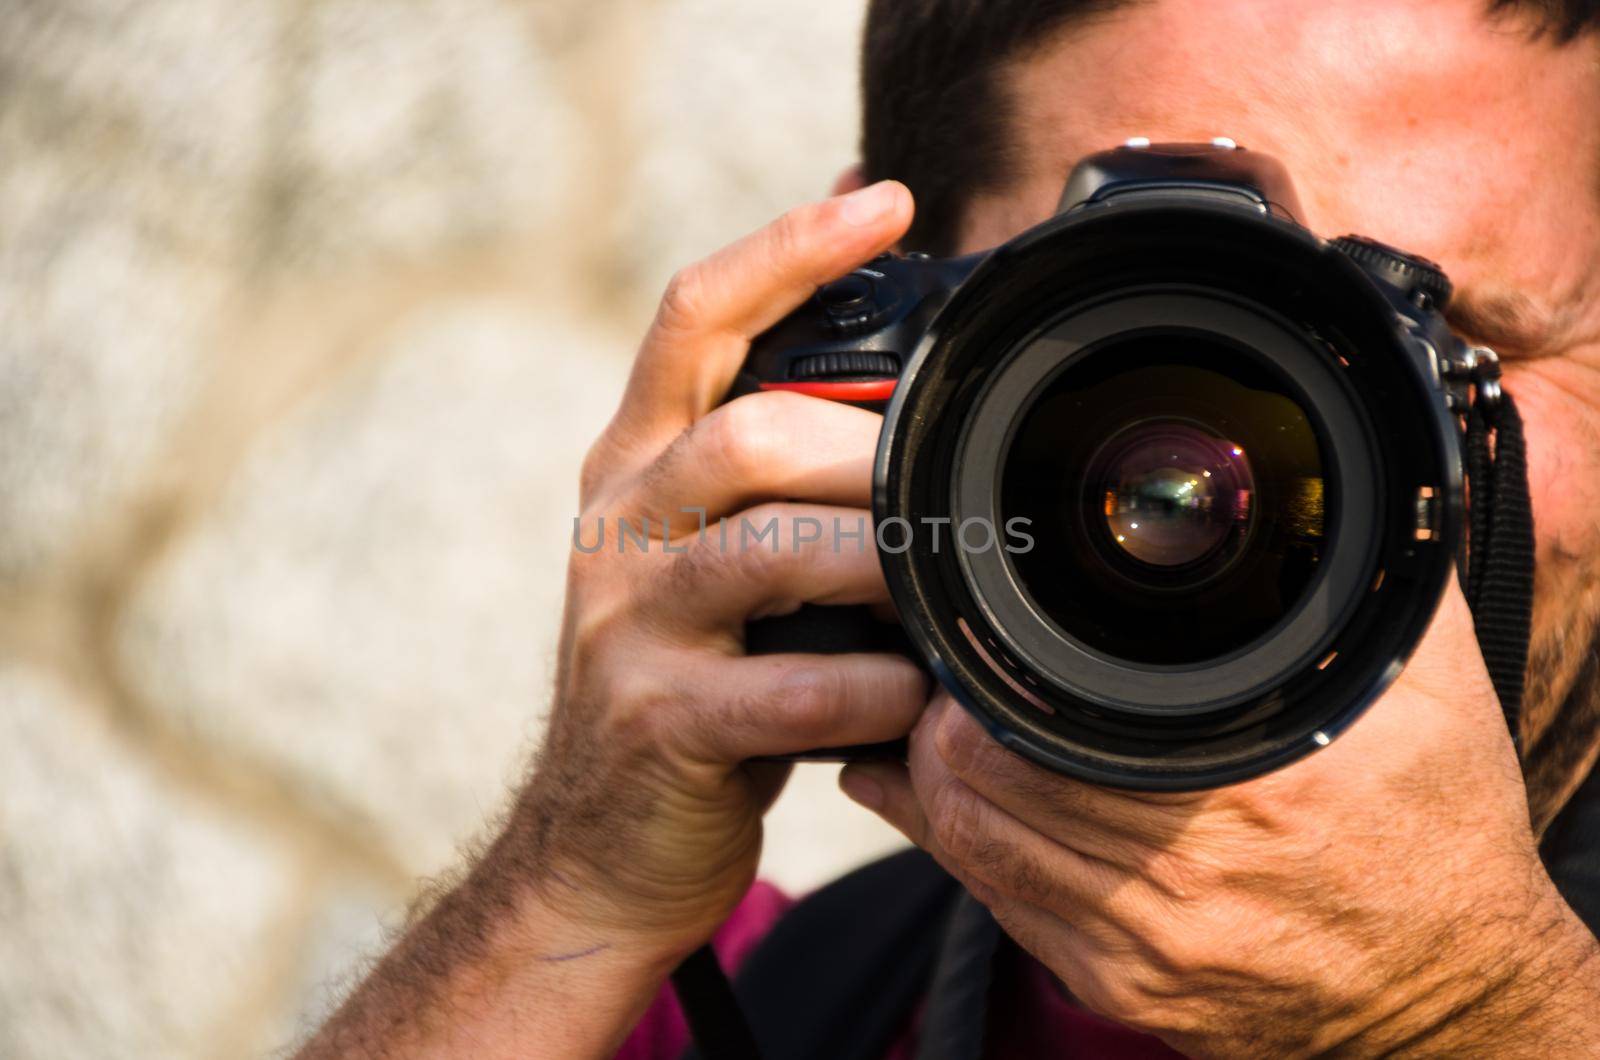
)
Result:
{"points": [[308, 311]]}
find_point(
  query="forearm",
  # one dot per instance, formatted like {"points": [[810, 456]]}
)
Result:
{"points": [[499, 969]]}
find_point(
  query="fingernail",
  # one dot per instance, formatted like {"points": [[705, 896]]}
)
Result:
{"points": [[862, 789], [866, 205]]}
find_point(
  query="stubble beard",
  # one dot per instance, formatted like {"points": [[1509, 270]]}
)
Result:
{"points": [[1560, 725]]}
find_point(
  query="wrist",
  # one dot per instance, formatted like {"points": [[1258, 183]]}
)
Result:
{"points": [[653, 884], [496, 969], [558, 926], [1521, 982], [1546, 1008]]}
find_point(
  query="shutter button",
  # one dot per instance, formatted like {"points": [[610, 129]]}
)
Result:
{"points": [[848, 305]]}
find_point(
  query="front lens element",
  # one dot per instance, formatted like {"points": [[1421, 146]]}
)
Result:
{"points": [[1174, 486], [1176, 494]]}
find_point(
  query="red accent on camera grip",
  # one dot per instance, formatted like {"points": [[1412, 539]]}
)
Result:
{"points": [[870, 390]]}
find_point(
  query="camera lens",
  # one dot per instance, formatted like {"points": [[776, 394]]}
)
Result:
{"points": [[1175, 488], [1176, 494], [1225, 489]]}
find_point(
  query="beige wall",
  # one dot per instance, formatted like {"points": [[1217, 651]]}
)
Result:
{"points": [[308, 309]]}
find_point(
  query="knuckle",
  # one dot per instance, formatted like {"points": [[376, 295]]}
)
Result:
{"points": [[598, 462], [602, 622], [1179, 878], [1122, 989], [898, 681], [643, 702], [1064, 799], [811, 700], [683, 304], [1263, 810], [594, 623], [1117, 995], [997, 903], [787, 235], [1013, 872], [743, 437], [604, 461], [1030, 880], [1183, 956], [588, 545], [963, 823], [763, 542], [969, 751], [961, 744], [957, 816]]}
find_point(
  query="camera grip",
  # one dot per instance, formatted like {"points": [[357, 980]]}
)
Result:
{"points": [[819, 630], [847, 344]]}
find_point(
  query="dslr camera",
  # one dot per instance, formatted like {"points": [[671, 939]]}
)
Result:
{"points": [[1235, 450]]}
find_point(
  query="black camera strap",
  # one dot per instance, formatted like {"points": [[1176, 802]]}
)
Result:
{"points": [[716, 1019], [955, 1023], [1497, 577], [838, 976]]}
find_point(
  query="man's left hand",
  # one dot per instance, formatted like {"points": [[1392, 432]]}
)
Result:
{"points": [[1384, 895]]}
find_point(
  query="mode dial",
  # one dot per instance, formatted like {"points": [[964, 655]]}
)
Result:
{"points": [[1408, 272]]}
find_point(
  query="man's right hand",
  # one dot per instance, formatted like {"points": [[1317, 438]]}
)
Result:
{"points": [[641, 827], [644, 815]]}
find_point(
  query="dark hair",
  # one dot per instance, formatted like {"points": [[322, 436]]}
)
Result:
{"points": [[934, 115]]}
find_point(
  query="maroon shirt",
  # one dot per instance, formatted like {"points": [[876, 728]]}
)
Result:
{"points": [[1033, 1020]]}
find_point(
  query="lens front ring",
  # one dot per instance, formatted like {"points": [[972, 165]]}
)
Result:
{"points": [[1213, 684]]}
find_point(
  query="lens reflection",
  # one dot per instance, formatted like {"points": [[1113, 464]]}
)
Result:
{"points": [[1175, 490], [1175, 493]]}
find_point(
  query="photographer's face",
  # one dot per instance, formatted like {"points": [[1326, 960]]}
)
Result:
{"points": [[1425, 125]]}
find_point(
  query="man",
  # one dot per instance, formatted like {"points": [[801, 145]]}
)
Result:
{"points": [[1383, 896]]}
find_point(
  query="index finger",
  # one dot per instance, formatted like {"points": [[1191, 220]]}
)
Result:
{"points": [[712, 309]]}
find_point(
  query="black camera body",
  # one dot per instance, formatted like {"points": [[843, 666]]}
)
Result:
{"points": [[1234, 448]]}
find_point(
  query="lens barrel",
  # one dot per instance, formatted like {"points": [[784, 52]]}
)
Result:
{"points": [[1213, 437]]}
